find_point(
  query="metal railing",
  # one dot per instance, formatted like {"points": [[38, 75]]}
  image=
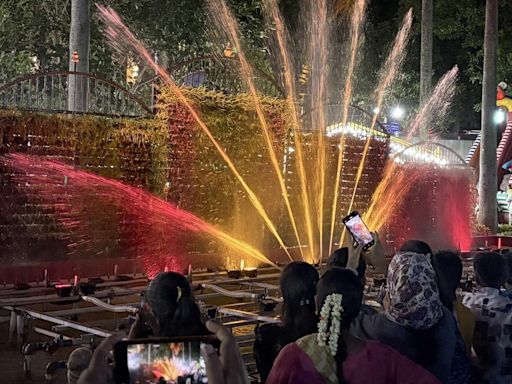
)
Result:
{"points": [[221, 74], [91, 94]]}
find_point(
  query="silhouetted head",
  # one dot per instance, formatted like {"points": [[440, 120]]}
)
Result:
{"points": [[416, 246], [508, 261], [78, 361], [448, 267], [172, 303], [298, 287], [490, 270], [345, 282], [339, 258]]}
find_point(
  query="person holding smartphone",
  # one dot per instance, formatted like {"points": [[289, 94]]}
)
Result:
{"points": [[413, 320], [168, 309], [223, 366]]}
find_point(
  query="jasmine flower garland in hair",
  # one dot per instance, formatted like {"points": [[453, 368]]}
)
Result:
{"points": [[331, 310]]}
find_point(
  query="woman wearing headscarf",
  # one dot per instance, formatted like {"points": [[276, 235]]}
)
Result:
{"points": [[333, 355], [414, 321]]}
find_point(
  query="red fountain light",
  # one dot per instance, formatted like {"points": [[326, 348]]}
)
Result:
{"points": [[149, 227]]}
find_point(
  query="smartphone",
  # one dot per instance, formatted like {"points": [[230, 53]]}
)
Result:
{"points": [[359, 231], [161, 361]]}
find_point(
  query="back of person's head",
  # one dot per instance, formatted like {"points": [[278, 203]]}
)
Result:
{"points": [[412, 296], [298, 286], [339, 258], [78, 361], [508, 261], [448, 267], [416, 246], [490, 270], [338, 286], [170, 298]]}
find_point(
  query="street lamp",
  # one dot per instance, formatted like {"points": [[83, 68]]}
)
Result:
{"points": [[397, 112], [499, 117]]}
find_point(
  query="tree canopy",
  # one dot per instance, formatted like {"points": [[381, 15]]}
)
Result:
{"points": [[34, 36]]}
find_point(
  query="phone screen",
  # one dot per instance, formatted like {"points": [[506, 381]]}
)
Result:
{"points": [[166, 363], [359, 230]]}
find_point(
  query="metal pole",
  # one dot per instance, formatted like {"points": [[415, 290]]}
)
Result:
{"points": [[20, 328], [110, 307], [57, 320], [74, 88], [12, 326]]}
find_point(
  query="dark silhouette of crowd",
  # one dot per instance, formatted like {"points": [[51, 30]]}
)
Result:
{"points": [[423, 330]]}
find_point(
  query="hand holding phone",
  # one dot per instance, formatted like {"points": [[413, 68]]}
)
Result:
{"points": [[359, 231], [99, 370], [226, 365], [161, 361]]}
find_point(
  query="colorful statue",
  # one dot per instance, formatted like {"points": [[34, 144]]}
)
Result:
{"points": [[503, 99]]}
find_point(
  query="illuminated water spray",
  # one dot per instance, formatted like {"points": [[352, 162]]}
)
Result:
{"points": [[226, 19], [310, 207], [356, 41], [388, 75], [120, 37], [146, 209]]}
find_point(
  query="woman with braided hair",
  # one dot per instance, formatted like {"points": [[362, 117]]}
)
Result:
{"points": [[334, 356], [298, 286]]}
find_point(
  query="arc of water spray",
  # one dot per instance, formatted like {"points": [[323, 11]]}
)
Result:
{"points": [[111, 20], [356, 40], [226, 19], [162, 212], [439, 102], [272, 12], [318, 49], [391, 69]]}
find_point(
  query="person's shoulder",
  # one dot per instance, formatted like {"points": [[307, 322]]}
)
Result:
{"points": [[289, 354], [293, 366], [387, 353], [377, 346], [399, 366], [473, 300]]}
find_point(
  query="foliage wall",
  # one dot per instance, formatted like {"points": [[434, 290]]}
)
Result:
{"points": [[134, 151], [201, 182], [172, 157], [199, 179]]}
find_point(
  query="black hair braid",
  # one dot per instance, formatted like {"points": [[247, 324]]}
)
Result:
{"points": [[344, 282], [186, 320], [340, 357], [341, 352]]}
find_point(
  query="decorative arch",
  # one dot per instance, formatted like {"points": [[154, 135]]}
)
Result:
{"points": [[334, 115], [430, 152]]}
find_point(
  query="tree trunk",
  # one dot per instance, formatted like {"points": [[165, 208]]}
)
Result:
{"points": [[79, 37], [487, 214], [427, 16]]}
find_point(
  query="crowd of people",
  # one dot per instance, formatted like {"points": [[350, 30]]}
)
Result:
{"points": [[425, 331]]}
